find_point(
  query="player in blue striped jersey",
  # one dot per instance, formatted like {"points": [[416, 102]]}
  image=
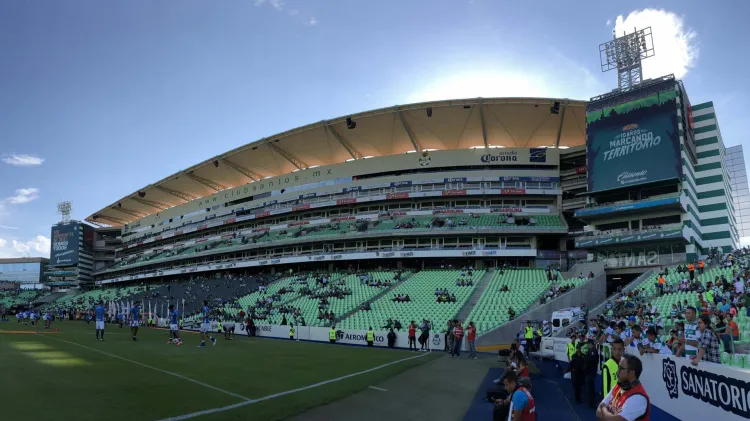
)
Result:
{"points": [[174, 330], [206, 325]]}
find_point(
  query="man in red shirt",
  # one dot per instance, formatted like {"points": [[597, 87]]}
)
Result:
{"points": [[458, 338], [471, 336], [412, 333]]}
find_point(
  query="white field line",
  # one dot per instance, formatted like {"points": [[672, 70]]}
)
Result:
{"points": [[288, 392]]}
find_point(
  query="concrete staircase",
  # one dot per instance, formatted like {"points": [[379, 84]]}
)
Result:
{"points": [[474, 298]]}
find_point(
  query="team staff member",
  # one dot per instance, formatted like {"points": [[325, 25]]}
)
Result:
{"points": [[609, 368], [628, 400], [332, 335], [291, 332], [523, 403], [371, 337]]}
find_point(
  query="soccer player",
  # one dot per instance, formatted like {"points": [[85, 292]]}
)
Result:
{"points": [[229, 330], [32, 316], [174, 316], [99, 312], [135, 316], [206, 326]]}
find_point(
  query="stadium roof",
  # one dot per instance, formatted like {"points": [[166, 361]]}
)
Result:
{"points": [[440, 125]]}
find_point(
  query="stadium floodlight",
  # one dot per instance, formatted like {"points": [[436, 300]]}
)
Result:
{"points": [[65, 208], [626, 54]]}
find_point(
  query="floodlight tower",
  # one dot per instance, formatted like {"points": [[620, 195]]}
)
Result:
{"points": [[625, 54], [65, 208]]}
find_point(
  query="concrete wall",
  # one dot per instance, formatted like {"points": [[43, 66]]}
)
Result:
{"points": [[591, 293]]}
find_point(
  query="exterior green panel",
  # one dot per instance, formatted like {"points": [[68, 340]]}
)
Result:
{"points": [[707, 154], [711, 208], [709, 179], [709, 166], [707, 141], [705, 129], [714, 221], [703, 106], [712, 193], [716, 235], [704, 117]]}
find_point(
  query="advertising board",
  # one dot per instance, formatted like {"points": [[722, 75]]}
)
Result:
{"points": [[634, 143], [65, 245]]}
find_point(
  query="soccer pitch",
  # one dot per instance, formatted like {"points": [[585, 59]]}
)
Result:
{"points": [[70, 375]]}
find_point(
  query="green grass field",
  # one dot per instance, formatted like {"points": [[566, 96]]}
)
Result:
{"points": [[70, 375]]}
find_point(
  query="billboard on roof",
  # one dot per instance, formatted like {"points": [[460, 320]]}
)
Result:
{"points": [[65, 245], [633, 143]]}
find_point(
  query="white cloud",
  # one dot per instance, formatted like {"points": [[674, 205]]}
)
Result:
{"points": [[38, 246], [675, 45], [276, 4], [23, 160], [313, 21], [6, 227], [24, 196], [609, 22]]}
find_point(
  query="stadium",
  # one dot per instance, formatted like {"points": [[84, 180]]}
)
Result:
{"points": [[333, 238]]}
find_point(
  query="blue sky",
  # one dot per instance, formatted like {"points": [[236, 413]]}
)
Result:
{"points": [[99, 98]]}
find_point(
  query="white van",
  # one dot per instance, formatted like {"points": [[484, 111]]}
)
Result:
{"points": [[564, 317]]}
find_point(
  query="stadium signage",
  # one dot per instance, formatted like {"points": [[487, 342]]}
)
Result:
{"points": [[513, 191], [728, 393], [505, 156], [65, 245], [635, 142], [454, 192], [454, 180], [391, 196]]}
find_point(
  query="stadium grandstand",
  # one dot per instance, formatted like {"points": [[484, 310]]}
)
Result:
{"points": [[542, 223]]}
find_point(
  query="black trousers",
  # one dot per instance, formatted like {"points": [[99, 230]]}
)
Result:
{"points": [[412, 342], [369, 344], [590, 390], [578, 388]]}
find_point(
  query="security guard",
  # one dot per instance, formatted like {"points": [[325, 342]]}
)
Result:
{"points": [[529, 336], [571, 347], [370, 337], [291, 332], [332, 335], [611, 366], [219, 327]]}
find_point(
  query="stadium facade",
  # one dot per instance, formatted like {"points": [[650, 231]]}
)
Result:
{"points": [[735, 162], [490, 181]]}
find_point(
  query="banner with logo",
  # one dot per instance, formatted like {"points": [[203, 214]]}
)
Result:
{"points": [[634, 143], [705, 392], [65, 245]]}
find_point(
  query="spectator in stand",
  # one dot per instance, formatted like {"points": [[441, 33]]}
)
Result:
{"points": [[708, 343], [732, 333]]}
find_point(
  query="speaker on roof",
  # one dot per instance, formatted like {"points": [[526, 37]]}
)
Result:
{"points": [[429, 111], [350, 124], [555, 108]]}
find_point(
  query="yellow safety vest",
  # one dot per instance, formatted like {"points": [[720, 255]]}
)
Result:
{"points": [[370, 336], [332, 335], [291, 331], [571, 350], [529, 333], [218, 326], [609, 375], [539, 332]]}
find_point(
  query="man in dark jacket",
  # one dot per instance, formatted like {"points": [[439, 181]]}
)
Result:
{"points": [[592, 363], [578, 372]]}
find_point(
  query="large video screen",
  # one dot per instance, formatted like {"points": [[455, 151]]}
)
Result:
{"points": [[65, 245], [634, 143]]}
